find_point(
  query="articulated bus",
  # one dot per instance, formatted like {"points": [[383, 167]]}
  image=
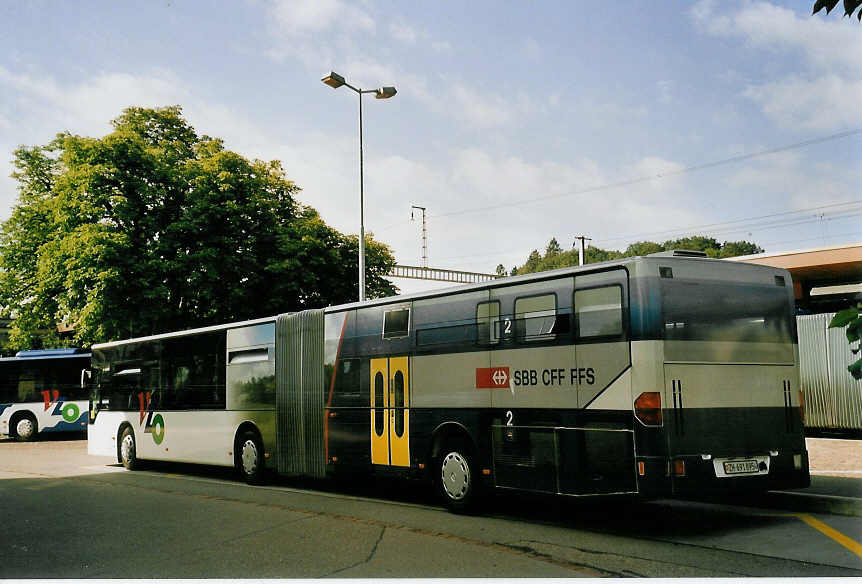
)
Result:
{"points": [[43, 391], [651, 376]]}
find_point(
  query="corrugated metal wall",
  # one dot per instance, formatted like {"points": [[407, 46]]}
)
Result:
{"points": [[833, 399], [300, 393]]}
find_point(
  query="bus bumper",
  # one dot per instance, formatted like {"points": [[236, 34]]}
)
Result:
{"points": [[694, 475]]}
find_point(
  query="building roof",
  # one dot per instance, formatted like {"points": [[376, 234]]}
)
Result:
{"points": [[824, 266]]}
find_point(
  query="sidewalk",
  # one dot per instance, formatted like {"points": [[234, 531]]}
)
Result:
{"points": [[831, 457], [836, 480]]}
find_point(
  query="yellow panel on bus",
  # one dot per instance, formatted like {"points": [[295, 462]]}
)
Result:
{"points": [[379, 411], [399, 413]]}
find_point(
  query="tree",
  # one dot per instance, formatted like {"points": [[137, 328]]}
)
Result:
{"points": [[642, 248], [707, 245], [153, 228], [556, 258], [553, 248], [850, 7], [732, 249], [852, 319]]}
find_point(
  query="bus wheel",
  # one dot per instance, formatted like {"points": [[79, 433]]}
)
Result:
{"points": [[25, 428], [128, 451], [250, 462], [457, 481]]}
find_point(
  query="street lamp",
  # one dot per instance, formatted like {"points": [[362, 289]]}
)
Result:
{"points": [[334, 80]]}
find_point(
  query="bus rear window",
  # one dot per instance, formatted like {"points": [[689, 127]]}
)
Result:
{"points": [[741, 322]]}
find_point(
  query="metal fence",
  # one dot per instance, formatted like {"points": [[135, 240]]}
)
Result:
{"points": [[833, 399]]}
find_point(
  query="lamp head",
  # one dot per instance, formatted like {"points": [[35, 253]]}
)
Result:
{"points": [[334, 80], [385, 93]]}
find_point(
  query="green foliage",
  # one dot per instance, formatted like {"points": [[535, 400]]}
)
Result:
{"points": [[850, 6], [852, 319], [555, 257], [153, 228]]}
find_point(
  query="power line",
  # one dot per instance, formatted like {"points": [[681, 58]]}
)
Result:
{"points": [[744, 221], [692, 168], [745, 225]]}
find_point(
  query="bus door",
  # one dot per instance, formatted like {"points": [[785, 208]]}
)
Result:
{"points": [[390, 408]]}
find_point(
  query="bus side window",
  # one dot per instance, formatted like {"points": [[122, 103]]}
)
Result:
{"points": [[599, 312], [396, 323], [487, 322], [347, 378], [536, 317]]}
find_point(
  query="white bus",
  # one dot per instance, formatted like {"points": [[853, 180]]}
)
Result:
{"points": [[43, 391], [651, 376]]}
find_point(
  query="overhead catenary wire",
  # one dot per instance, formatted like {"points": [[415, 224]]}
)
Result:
{"points": [[739, 225], [715, 228], [721, 224], [660, 175]]}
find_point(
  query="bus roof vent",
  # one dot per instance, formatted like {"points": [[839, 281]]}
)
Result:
{"points": [[679, 253]]}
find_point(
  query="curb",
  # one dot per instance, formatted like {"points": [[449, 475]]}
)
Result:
{"points": [[831, 504]]}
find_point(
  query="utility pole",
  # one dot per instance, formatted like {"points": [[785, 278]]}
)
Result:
{"points": [[424, 235], [582, 238]]}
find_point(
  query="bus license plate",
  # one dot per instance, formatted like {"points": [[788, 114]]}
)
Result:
{"points": [[741, 466]]}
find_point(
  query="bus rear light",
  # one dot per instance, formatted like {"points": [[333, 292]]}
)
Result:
{"points": [[679, 467], [641, 468], [648, 408]]}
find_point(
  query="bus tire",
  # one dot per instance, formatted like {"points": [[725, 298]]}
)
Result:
{"points": [[128, 449], [249, 460], [456, 477], [26, 428]]}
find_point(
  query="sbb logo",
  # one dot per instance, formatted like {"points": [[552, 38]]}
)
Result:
{"points": [[493, 378]]}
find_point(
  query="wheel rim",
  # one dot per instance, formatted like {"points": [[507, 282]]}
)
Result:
{"points": [[25, 428], [127, 449], [455, 476], [249, 457]]}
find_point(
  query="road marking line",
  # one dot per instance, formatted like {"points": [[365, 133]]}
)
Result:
{"points": [[852, 545]]}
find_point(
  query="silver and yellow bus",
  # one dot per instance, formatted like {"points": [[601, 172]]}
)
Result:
{"points": [[653, 376]]}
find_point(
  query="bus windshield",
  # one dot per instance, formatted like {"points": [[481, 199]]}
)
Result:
{"points": [[706, 320]]}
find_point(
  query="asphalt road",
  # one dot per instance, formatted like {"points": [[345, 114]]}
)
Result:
{"points": [[69, 515]]}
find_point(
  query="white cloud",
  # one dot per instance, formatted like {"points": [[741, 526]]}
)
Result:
{"points": [[82, 107], [532, 49], [665, 89], [403, 33], [305, 17], [441, 46], [822, 98], [824, 103], [479, 110]]}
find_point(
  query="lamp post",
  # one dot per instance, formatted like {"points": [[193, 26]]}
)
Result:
{"points": [[334, 80]]}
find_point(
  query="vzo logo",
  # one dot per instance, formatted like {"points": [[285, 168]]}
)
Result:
{"points": [[69, 411], [155, 423]]}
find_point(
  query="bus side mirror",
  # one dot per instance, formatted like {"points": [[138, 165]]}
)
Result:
{"points": [[86, 375]]}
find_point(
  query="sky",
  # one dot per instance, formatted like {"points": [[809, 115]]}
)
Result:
{"points": [[514, 121]]}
